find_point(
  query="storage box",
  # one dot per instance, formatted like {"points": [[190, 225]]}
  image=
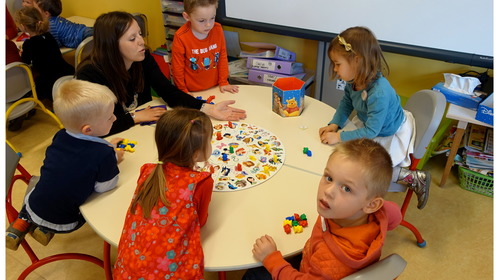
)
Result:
{"points": [[266, 50], [288, 96], [276, 66], [460, 99], [485, 112], [266, 77]]}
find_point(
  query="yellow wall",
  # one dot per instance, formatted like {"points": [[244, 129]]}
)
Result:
{"points": [[94, 8], [407, 74]]}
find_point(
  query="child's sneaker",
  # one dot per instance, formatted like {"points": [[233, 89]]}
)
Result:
{"points": [[42, 236], [15, 233]]}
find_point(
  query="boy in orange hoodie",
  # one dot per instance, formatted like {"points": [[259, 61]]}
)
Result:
{"points": [[353, 218]]}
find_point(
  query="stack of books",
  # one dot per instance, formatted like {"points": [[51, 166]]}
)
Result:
{"points": [[478, 152], [270, 62]]}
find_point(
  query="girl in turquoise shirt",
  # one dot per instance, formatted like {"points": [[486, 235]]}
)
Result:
{"points": [[356, 57]]}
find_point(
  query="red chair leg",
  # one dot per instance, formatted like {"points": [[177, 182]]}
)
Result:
{"points": [[222, 275], [419, 238], [59, 257], [107, 261]]}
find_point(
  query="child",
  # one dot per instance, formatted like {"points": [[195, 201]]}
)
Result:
{"points": [[76, 164], [353, 218], [27, 3], [41, 52], [199, 55], [66, 33], [170, 204], [356, 58]]}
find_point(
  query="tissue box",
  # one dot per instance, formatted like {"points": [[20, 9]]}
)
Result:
{"points": [[266, 77], [485, 112], [288, 96], [460, 99], [276, 66], [268, 50]]}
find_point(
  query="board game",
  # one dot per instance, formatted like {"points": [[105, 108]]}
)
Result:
{"points": [[243, 156]]}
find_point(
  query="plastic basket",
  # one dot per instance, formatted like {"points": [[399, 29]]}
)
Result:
{"points": [[476, 182]]}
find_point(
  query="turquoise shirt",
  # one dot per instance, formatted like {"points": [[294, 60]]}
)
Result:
{"points": [[380, 112]]}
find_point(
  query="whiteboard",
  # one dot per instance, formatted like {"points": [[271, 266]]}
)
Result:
{"points": [[430, 28]]}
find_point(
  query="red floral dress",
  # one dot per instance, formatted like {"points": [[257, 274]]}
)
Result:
{"points": [[168, 244]]}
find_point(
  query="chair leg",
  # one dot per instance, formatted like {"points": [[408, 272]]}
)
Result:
{"points": [[419, 238], [107, 261]]}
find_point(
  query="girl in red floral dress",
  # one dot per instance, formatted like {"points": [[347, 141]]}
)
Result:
{"points": [[161, 235]]}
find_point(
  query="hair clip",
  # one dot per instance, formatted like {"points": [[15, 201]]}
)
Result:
{"points": [[192, 121], [159, 162], [347, 46]]}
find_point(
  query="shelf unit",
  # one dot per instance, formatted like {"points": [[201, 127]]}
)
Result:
{"points": [[172, 19]]}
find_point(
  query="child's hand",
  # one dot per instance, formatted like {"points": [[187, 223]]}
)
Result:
{"points": [[115, 141], [330, 128], [229, 88], [330, 138], [263, 247], [120, 154]]}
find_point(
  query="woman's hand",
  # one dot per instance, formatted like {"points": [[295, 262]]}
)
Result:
{"points": [[223, 112], [148, 114], [330, 138], [263, 247], [229, 88]]}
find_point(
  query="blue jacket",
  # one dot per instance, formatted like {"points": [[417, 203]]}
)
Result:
{"points": [[380, 112], [67, 33]]}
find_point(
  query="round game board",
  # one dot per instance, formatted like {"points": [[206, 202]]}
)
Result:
{"points": [[243, 156]]}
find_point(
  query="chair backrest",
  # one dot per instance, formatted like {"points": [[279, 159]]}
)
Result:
{"points": [[58, 83], [18, 81], [388, 268], [142, 21], [83, 50], [427, 107], [11, 161]]}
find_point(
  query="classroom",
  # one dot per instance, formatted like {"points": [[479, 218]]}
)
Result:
{"points": [[457, 224]]}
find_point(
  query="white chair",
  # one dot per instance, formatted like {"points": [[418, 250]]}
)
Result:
{"points": [[388, 268], [83, 50], [427, 107], [19, 82], [142, 21], [58, 83]]}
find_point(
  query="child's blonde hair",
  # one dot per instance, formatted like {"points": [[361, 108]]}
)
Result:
{"points": [[76, 102], [374, 162], [190, 5], [32, 19], [359, 42], [180, 134]]}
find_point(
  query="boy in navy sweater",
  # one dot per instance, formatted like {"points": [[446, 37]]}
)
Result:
{"points": [[77, 163]]}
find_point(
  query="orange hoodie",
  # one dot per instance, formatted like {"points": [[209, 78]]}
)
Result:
{"points": [[333, 252]]}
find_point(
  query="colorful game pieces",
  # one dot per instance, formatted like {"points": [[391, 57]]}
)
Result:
{"points": [[307, 151], [297, 222], [126, 145]]}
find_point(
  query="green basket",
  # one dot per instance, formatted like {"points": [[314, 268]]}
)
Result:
{"points": [[476, 182]]}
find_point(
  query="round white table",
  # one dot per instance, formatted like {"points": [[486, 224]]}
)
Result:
{"points": [[236, 219]]}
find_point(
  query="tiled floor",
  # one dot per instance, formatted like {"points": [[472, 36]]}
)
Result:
{"points": [[457, 225]]}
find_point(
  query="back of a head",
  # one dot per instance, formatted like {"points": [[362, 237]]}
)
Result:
{"points": [[374, 162], [53, 7], [32, 19], [180, 133], [77, 101], [190, 5]]}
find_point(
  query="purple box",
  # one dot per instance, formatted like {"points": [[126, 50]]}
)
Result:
{"points": [[276, 66], [267, 50], [266, 77]]}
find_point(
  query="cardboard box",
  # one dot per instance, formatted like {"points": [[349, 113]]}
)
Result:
{"points": [[266, 77], [288, 97], [276, 66], [267, 50], [485, 112], [460, 99]]}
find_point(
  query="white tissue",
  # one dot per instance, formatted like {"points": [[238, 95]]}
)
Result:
{"points": [[460, 84]]}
